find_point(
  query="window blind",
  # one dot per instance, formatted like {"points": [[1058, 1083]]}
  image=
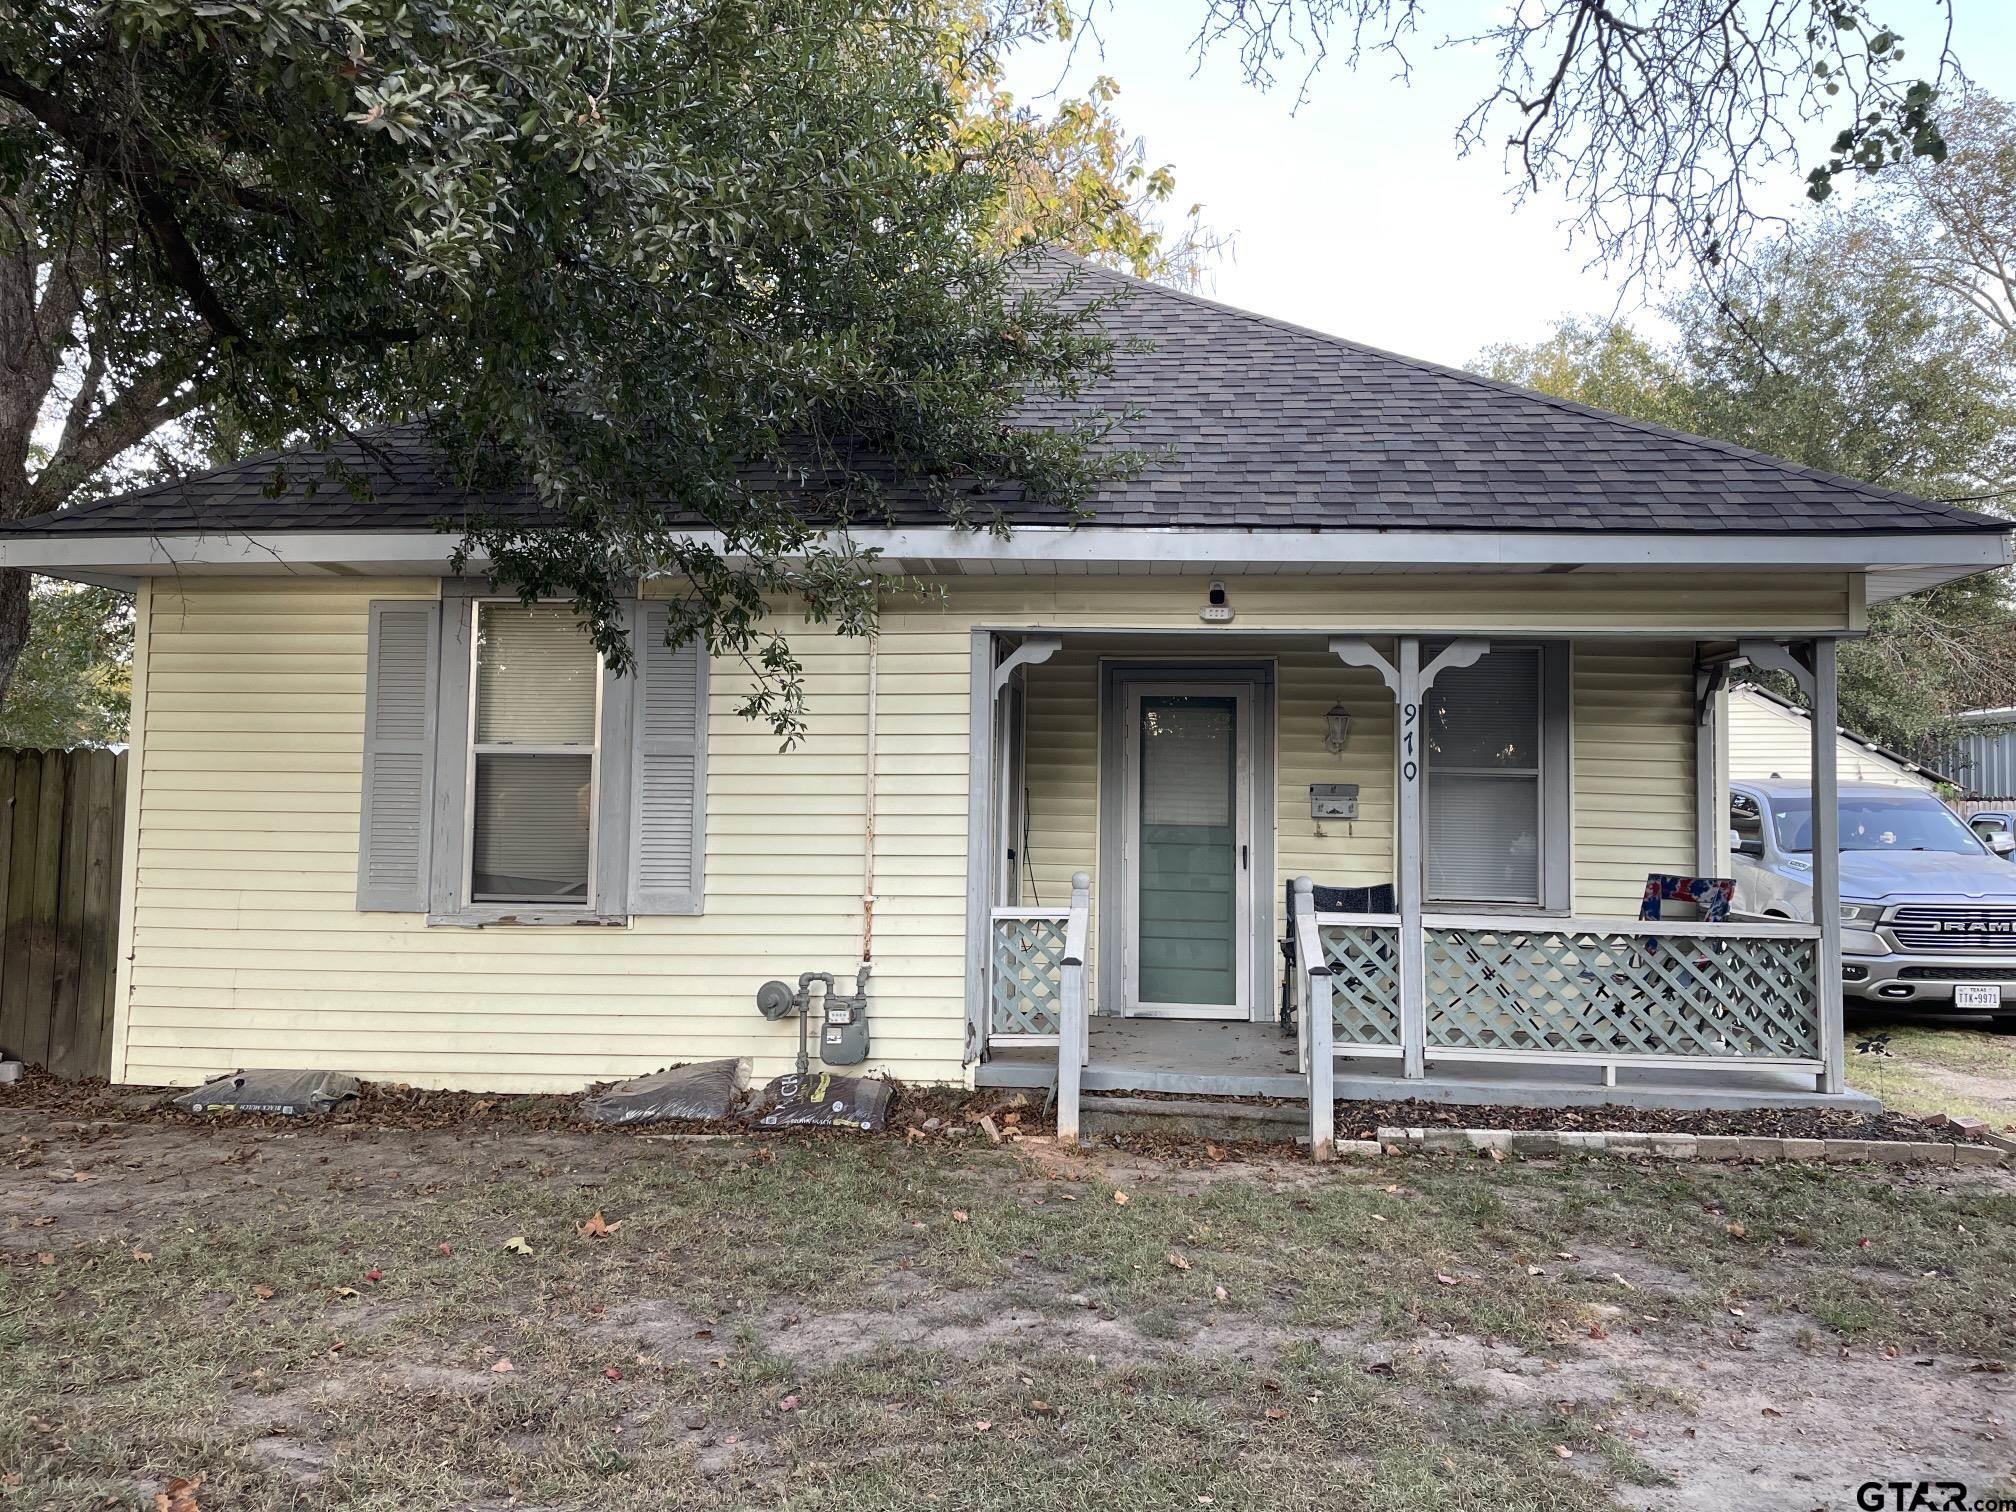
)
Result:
{"points": [[536, 676], [1483, 792]]}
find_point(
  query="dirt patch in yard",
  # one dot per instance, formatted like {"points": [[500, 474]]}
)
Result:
{"points": [[1761, 1417]]}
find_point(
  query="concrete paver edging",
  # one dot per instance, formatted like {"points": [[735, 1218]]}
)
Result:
{"points": [[1398, 1140]]}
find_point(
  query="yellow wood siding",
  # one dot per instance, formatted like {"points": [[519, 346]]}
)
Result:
{"points": [[246, 948], [1633, 720]]}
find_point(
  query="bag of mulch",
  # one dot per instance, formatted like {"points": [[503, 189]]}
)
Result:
{"points": [[821, 1100], [296, 1093], [703, 1092]]}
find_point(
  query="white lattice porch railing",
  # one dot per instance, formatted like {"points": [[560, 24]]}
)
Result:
{"points": [[1363, 952], [1614, 991], [1025, 975]]}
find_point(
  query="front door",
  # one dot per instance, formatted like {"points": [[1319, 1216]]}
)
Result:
{"points": [[1187, 807]]}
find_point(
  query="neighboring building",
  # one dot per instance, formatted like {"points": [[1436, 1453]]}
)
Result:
{"points": [[1770, 736], [385, 822], [1982, 757]]}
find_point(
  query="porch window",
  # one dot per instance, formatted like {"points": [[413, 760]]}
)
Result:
{"points": [[534, 747], [1486, 794]]}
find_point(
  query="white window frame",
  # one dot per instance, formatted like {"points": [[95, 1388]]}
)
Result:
{"points": [[1552, 774], [474, 748]]}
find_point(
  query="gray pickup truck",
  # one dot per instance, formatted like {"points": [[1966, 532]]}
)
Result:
{"points": [[1928, 909]]}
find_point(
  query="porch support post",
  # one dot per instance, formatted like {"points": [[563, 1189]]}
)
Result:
{"points": [[1409, 681], [1317, 1028], [1827, 864], [1711, 802], [1407, 871], [1073, 1029], [979, 840]]}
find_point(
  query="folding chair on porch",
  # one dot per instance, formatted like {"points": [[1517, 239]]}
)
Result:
{"points": [[1377, 900]]}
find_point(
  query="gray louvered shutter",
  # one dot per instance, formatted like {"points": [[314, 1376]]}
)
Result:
{"points": [[668, 780], [393, 844]]}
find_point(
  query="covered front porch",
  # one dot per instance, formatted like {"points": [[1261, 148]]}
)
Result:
{"points": [[1324, 866]]}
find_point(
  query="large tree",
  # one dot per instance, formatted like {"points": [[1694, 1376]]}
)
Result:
{"points": [[1839, 356], [633, 255], [1673, 128], [1955, 225]]}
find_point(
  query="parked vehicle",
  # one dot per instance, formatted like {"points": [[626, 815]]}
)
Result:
{"points": [[1997, 829], [1928, 910]]}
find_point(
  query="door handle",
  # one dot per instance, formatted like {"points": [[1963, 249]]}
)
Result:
{"points": [[1242, 858]]}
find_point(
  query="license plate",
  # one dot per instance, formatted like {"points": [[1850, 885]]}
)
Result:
{"points": [[1977, 997]]}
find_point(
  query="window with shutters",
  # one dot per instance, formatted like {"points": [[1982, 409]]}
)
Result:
{"points": [[511, 778], [1487, 807], [534, 723]]}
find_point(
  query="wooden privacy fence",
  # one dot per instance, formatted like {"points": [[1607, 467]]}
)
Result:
{"points": [[60, 835]]}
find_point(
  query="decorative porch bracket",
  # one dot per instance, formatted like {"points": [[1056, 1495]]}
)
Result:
{"points": [[1034, 650], [1410, 682], [1815, 673]]}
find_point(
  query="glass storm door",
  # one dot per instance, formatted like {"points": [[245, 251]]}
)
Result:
{"points": [[1188, 809]]}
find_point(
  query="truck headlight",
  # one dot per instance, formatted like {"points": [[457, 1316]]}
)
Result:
{"points": [[1861, 913]]}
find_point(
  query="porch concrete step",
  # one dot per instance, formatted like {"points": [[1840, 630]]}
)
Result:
{"points": [[1191, 1118], [1215, 1081]]}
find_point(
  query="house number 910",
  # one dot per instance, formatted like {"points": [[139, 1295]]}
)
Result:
{"points": [[1410, 766]]}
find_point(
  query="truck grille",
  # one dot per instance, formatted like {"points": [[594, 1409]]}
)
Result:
{"points": [[1956, 926], [1958, 973]]}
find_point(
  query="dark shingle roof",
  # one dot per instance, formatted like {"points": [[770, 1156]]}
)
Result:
{"points": [[1271, 426]]}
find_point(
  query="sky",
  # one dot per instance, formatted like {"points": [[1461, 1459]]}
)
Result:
{"points": [[1354, 213]]}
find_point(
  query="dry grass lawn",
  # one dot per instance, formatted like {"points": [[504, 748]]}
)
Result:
{"points": [[1937, 1066], [314, 1319]]}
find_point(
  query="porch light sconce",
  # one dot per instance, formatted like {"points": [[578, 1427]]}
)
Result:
{"points": [[1337, 729]]}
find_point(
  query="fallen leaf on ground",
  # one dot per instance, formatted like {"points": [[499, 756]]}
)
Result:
{"points": [[1447, 1280], [598, 1228], [1220, 1294], [263, 1293], [982, 1426], [446, 1250], [180, 1495], [1177, 1261], [343, 1291], [1120, 1199], [1274, 1414], [1564, 1451], [613, 1373], [517, 1245], [143, 1256], [1735, 1230], [503, 1364], [788, 1403], [959, 1215], [374, 1276]]}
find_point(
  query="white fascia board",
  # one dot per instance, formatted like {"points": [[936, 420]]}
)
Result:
{"points": [[1921, 554]]}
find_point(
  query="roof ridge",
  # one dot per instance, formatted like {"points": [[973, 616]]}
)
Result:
{"points": [[1464, 375]]}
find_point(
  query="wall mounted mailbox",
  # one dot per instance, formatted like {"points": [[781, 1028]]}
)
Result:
{"points": [[1333, 800]]}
